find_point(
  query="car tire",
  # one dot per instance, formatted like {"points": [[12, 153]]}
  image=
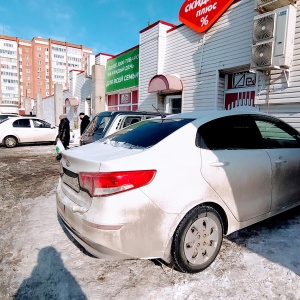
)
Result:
{"points": [[10, 142], [197, 239]]}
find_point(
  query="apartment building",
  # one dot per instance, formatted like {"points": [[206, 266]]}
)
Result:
{"points": [[33, 67]]}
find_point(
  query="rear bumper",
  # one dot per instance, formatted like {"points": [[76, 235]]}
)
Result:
{"points": [[117, 227], [91, 247]]}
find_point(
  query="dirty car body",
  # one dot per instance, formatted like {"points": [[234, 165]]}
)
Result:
{"points": [[171, 187]]}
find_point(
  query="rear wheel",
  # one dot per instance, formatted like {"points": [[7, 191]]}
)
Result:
{"points": [[197, 239], [10, 142]]}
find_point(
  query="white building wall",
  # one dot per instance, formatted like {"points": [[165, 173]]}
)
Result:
{"points": [[83, 90], [48, 110], [199, 59], [151, 61], [288, 112], [196, 57]]}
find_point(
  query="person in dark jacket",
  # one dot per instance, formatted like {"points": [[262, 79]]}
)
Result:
{"points": [[85, 121], [64, 130]]}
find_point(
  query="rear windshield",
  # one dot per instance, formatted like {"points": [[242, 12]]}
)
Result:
{"points": [[98, 124], [146, 133], [3, 120]]}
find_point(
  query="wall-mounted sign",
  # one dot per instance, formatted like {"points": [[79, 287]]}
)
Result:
{"points": [[125, 98], [200, 15], [123, 71]]}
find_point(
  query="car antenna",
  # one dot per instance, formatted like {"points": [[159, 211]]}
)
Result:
{"points": [[162, 116]]}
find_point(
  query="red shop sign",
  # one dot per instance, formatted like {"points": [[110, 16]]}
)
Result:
{"points": [[200, 15]]}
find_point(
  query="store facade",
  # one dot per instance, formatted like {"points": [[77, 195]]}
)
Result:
{"points": [[247, 56], [121, 81], [226, 54]]}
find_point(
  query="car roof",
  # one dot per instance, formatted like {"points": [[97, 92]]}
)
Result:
{"points": [[127, 112], [212, 114], [14, 118]]}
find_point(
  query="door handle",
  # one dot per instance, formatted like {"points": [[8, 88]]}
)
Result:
{"points": [[220, 164], [280, 161]]}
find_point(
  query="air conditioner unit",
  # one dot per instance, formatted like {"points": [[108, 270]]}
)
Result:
{"points": [[90, 61], [273, 39], [263, 28], [268, 5]]}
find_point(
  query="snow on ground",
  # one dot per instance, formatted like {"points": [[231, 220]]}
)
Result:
{"points": [[39, 260]]}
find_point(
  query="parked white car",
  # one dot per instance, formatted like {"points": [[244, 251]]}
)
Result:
{"points": [[171, 187], [18, 130]]}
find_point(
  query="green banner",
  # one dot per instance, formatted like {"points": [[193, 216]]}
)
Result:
{"points": [[123, 71]]}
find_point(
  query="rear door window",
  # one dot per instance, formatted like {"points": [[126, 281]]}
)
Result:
{"points": [[233, 132], [23, 123], [40, 124], [277, 134], [147, 133], [131, 120]]}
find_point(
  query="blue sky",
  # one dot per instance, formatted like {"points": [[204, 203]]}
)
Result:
{"points": [[108, 26]]}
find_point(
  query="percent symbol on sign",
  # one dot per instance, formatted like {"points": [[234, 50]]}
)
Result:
{"points": [[204, 21]]}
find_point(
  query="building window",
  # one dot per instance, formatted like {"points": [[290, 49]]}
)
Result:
{"points": [[39, 55], [39, 48], [239, 89], [27, 70], [126, 101], [39, 69], [39, 62], [27, 64], [8, 45]]}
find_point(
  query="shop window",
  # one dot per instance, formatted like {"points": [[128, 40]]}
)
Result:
{"points": [[125, 98], [240, 89], [112, 100], [135, 98], [124, 101]]}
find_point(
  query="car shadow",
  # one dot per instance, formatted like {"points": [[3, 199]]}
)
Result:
{"points": [[276, 239], [49, 279]]}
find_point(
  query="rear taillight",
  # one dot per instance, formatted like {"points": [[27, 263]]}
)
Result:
{"points": [[107, 184]]}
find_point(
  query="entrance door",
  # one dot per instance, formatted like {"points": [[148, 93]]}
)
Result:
{"points": [[173, 104]]}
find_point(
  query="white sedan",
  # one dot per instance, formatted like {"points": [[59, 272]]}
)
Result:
{"points": [[17, 130], [171, 187]]}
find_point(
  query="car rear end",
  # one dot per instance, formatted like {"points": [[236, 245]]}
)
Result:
{"points": [[101, 197], [105, 210]]}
